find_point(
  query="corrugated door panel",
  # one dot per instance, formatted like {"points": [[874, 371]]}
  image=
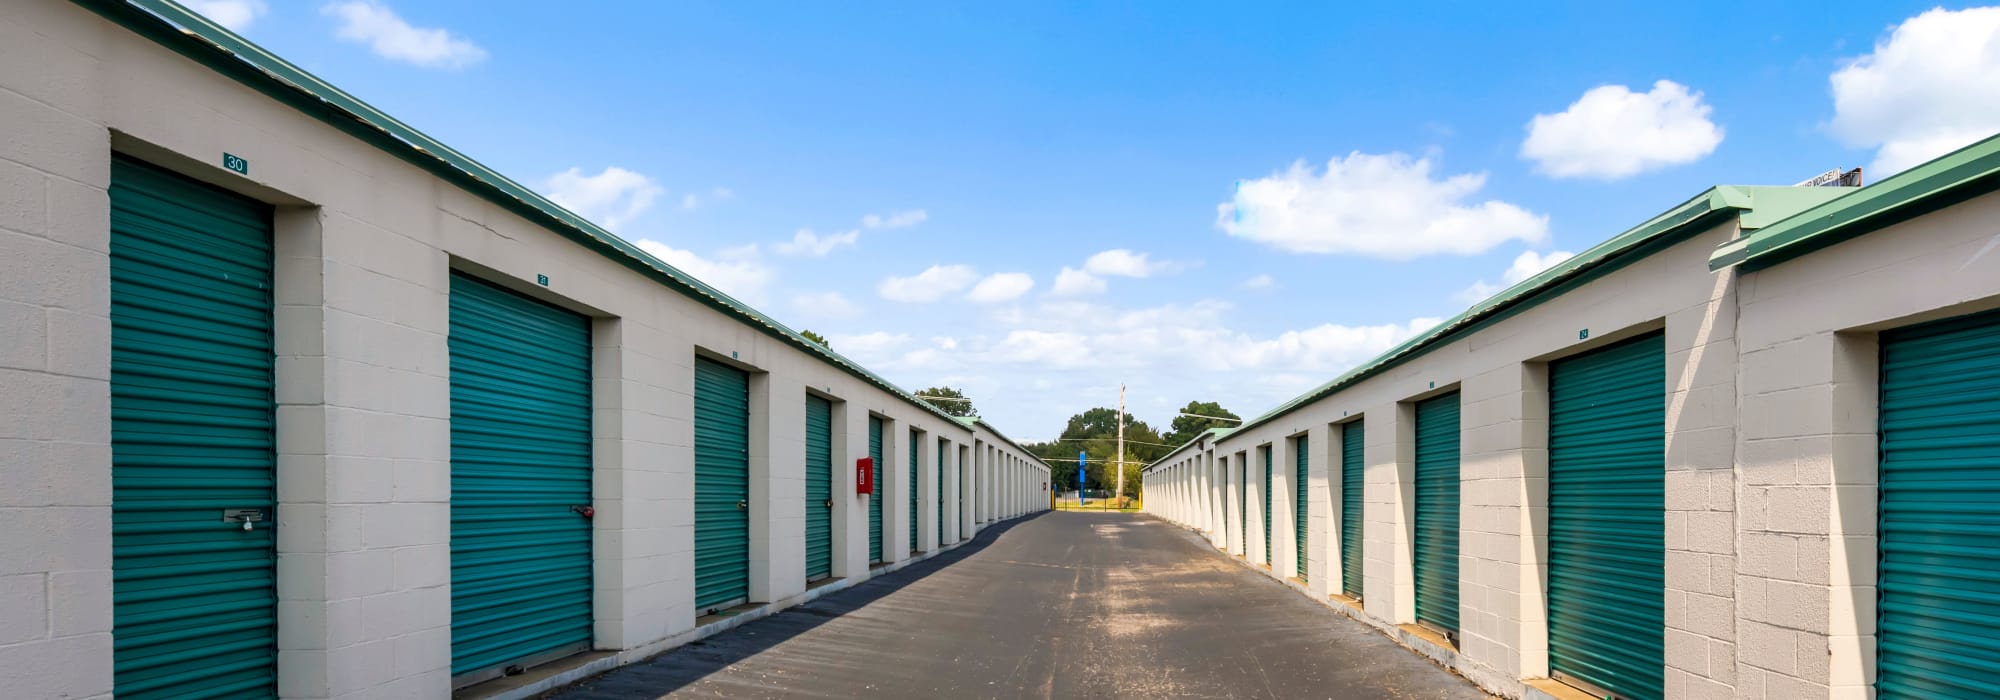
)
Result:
{"points": [[875, 552], [942, 446], [961, 491], [1436, 545], [520, 460], [1299, 524], [911, 487], [1607, 532], [819, 488], [194, 598], [1940, 510], [1353, 478], [1268, 504], [721, 485]]}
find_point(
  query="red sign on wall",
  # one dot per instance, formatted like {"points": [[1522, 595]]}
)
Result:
{"points": [[864, 475]]}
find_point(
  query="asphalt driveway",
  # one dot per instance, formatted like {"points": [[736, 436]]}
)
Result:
{"points": [[1060, 605]]}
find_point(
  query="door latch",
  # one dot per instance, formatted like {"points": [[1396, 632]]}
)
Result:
{"points": [[742, 505], [247, 516]]}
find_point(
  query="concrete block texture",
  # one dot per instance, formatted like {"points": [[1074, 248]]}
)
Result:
{"points": [[1770, 491], [364, 248], [1769, 484]]}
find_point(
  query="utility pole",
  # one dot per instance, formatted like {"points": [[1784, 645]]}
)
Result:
{"points": [[1120, 491]]}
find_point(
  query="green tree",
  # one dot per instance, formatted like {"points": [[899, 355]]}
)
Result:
{"points": [[817, 338], [1187, 428], [949, 400], [1095, 433]]}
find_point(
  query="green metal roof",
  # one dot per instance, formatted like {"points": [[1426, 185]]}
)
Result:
{"points": [[1968, 172], [1711, 207], [190, 34]]}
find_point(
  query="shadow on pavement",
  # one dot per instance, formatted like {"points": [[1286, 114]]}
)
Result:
{"points": [[690, 663]]}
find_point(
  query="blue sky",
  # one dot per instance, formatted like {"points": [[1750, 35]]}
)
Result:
{"points": [[1038, 201]]}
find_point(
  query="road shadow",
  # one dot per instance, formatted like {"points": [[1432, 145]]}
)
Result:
{"points": [[689, 663]]}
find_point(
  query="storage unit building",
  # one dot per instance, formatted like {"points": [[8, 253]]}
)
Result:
{"points": [[322, 407], [1734, 450]]}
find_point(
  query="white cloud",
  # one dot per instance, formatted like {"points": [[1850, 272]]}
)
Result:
{"points": [[899, 219], [233, 14], [695, 200], [1527, 264], [1260, 283], [825, 305], [1384, 206], [1612, 132], [1073, 282], [1000, 287], [1328, 346], [612, 197], [932, 284], [1120, 262], [868, 345], [1017, 356], [807, 243], [385, 33], [736, 271], [1154, 344], [1930, 87]]}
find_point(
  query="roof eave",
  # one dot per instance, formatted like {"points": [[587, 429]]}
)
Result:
{"points": [[224, 45], [1954, 177], [1710, 203]]}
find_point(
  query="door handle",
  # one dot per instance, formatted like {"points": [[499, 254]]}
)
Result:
{"points": [[742, 505], [829, 503]]}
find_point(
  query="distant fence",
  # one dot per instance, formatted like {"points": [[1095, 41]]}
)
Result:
{"points": [[1094, 500]]}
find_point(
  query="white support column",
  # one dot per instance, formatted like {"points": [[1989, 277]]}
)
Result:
{"points": [[850, 511]]}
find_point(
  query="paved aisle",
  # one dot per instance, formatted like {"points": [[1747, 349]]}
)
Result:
{"points": [[1058, 606]]}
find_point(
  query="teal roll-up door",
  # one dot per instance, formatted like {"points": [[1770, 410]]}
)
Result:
{"points": [[1353, 480], [721, 485], [194, 598], [1299, 506], [520, 463], [1436, 546], [942, 446], [1243, 506], [1940, 510], [911, 486], [1607, 531], [1268, 503], [819, 488], [875, 552]]}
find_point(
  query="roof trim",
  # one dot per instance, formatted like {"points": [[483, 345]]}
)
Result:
{"points": [[188, 33], [1955, 177], [1703, 210]]}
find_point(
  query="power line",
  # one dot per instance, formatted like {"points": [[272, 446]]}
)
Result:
{"points": [[1094, 461], [1197, 415], [1134, 442]]}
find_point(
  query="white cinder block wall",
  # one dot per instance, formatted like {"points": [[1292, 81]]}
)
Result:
{"points": [[1770, 440], [1496, 371], [365, 243], [1807, 453]]}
